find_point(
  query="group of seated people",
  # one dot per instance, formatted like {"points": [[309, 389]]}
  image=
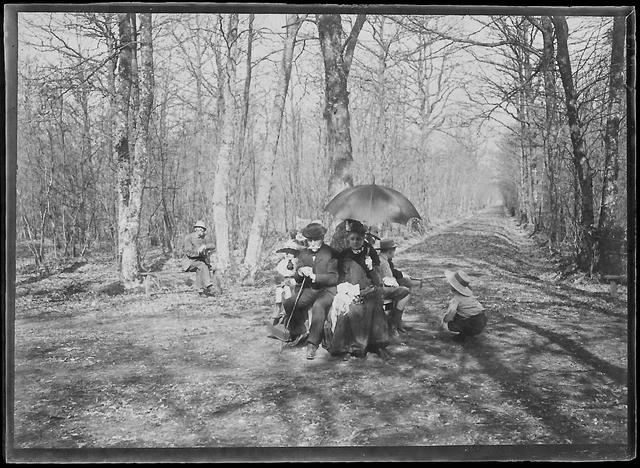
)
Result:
{"points": [[335, 298]]}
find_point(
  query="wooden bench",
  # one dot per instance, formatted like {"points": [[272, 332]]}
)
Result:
{"points": [[614, 280]]}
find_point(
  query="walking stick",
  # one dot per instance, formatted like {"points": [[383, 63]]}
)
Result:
{"points": [[288, 320], [424, 278]]}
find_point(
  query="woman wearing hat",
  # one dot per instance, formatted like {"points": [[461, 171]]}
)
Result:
{"points": [[197, 251], [363, 328], [465, 315], [318, 272], [392, 289]]}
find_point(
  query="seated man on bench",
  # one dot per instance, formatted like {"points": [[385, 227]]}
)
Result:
{"points": [[197, 251]]}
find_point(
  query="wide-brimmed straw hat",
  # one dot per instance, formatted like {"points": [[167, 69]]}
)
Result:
{"points": [[291, 247], [460, 281], [314, 231], [387, 243], [200, 224]]}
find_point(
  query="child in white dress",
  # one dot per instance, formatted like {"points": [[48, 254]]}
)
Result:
{"points": [[286, 268]]}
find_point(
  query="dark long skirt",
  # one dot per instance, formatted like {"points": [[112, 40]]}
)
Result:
{"points": [[363, 328]]}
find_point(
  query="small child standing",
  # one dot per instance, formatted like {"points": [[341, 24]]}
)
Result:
{"points": [[465, 315], [286, 268]]}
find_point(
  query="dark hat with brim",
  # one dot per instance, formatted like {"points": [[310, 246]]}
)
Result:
{"points": [[352, 225], [289, 251], [314, 231], [290, 247]]}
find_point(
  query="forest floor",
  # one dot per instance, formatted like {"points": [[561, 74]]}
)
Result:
{"points": [[548, 379]]}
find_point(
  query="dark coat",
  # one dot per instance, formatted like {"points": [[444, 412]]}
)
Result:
{"points": [[325, 267], [364, 327], [372, 275]]}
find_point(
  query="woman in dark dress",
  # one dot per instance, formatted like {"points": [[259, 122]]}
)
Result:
{"points": [[363, 328]]}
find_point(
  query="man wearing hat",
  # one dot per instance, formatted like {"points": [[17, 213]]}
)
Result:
{"points": [[392, 288], [465, 315], [197, 251], [318, 272]]}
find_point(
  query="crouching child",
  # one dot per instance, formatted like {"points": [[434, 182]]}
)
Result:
{"points": [[465, 315]]}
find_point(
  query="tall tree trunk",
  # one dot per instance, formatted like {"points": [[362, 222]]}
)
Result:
{"points": [[528, 163], [381, 154], [132, 165], [121, 141], [584, 173], [229, 124], [532, 167], [548, 133], [263, 196], [609, 240], [337, 62], [240, 193]]}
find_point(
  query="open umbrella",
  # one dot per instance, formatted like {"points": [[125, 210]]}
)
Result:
{"points": [[372, 204]]}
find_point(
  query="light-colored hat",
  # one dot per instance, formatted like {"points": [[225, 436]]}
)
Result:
{"points": [[387, 243], [291, 247], [200, 224], [314, 231], [460, 281], [300, 239]]}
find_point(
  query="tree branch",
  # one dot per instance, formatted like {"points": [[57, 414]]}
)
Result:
{"points": [[350, 44]]}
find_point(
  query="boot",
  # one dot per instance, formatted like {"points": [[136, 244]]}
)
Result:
{"points": [[278, 313], [311, 351], [383, 353], [399, 324], [392, 323], [208, 292]]}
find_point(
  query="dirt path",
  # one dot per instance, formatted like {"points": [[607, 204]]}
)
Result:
{"points": [[94, 371]]}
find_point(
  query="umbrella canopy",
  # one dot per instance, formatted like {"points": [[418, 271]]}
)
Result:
{"points": [[372, 204]]}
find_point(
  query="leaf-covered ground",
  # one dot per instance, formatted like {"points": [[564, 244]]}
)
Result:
{"points": [[96, 369]]}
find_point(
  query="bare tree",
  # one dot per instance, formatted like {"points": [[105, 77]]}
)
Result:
{"points": [[581, 163], [263, 196], [338, 55], [134, 100], [226, 150], [609, 236]]}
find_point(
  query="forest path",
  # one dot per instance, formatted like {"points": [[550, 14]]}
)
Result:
{"points": [[179, 370]]}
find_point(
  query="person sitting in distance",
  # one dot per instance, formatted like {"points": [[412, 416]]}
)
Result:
{"points": [[197, 250]]}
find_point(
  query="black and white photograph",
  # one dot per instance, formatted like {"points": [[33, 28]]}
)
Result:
{"points": [[260, 233]]}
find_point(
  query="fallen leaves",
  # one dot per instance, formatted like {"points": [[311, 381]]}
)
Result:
{"points": [[182, 370]]}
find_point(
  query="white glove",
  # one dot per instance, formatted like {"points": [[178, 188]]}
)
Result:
{"points": [[390, 281], [305, 271], [368, 262]]}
